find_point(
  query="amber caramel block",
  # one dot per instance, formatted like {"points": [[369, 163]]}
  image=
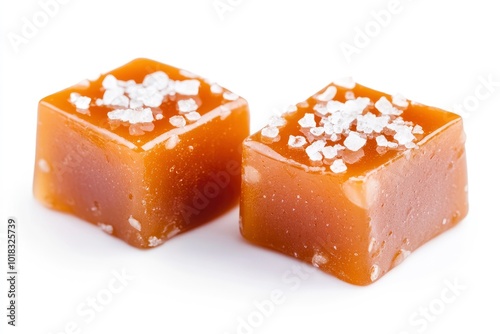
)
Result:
{"points": [[353, 180], [145, 152]]}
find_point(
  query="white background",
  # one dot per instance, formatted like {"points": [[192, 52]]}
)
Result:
{"points": [[273, 53]]}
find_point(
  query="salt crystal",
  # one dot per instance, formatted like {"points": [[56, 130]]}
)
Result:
{"points": [[314, 150], [154, 241], [400, 101], [334, 106], [291, 109], [159, 80], [133, 116], [134, 223], [403, 134], [270, 132], [349, 95], [354, 141], [111, 94], [328, 94], [187, 105], [188, 74], [307, 121], [230, 96], [106, 228], [193, 116], [386, 108], [418, 130], [317, 131], [215, 88], [177, 121], [109, 82], [153, 100], [121, 101], [187, 87], [44, 165], [330, 152], [296, 141], [135, 104], [338, 166], [158, 117]]}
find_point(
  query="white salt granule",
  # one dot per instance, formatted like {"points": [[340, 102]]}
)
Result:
{"points": [[307, 121], [44, 165], [354, 141], [386, 108], [154, 241], [317, 131], [79, 101], [133, 116], [400, 101], [328, 94], [230, 96], [187, 87], [338, 166], [313, 151], [296, 141], [134, 223], [187, 105], [109, 82], [106, 228], [270, 132], [159, 80], [193, 116], [216, 89], [330, 152], [177, 121], [417, 129]]}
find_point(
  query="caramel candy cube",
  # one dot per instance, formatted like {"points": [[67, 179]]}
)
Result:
{"points": [[144, 152], [353, 180]]}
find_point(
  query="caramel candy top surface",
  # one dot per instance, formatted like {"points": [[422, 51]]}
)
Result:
{"points": [[140, 101], [350, 131]]}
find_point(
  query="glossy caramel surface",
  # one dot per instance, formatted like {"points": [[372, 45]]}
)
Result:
{"points": [[360, 223], [142, 182]]}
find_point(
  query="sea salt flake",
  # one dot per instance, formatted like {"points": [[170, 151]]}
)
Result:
{"points": [[106, 228], [317, 131], [296, 141], [230, 96], [159, 80], [270, 132], [349, 95], [328, 94], [121, 101], [330, 152], [188, 105], [187, 87], [111, 94], [82, 102], [334, 106], [400, 101], [313, 151], [386, 108], [307, 121], [354, 141], [109, 82], [177, 121], [193, 116], [338, 166], [216, 89], [133, 116], [291, 109], [153, 100], [134, 223], [403, 134], [346, 82], [417, 129], [154, 241]]}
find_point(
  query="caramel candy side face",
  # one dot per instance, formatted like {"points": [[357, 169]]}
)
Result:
{"points": [[145, 159], [353, 205]]}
